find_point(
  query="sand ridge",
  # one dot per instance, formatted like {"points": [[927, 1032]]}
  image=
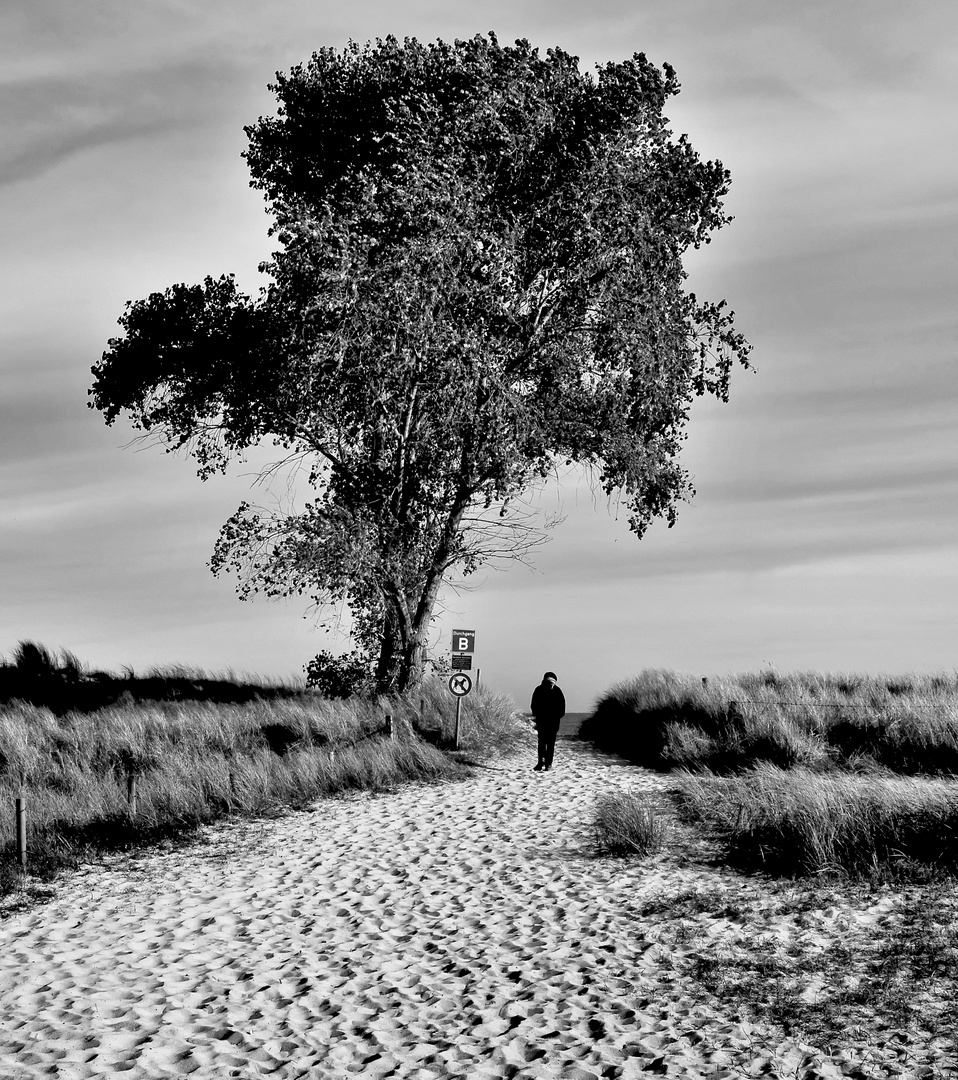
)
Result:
{"points": [[452, 929]]}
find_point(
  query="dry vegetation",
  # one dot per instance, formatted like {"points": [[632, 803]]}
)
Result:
{"points": [[794, 821], [138, 771], [802, 773], [624, 824]]}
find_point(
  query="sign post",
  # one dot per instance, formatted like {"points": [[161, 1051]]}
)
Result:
{"points": [[459, 684], [463, 646]]}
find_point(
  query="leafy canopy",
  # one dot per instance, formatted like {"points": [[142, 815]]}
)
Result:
{"points": [[478, 275]]}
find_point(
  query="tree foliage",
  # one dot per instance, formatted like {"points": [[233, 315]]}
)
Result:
{"points": [[339, 676], [478, 276]]}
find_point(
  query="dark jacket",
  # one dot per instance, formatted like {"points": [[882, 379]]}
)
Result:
{"points": [[548, 704]]}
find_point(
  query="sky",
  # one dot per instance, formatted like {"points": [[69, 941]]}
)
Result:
{"points": [[824, 532]]}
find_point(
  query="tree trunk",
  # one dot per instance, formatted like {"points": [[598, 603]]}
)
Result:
{"points": [[412, 667], [408, 615], [390, 656], [401, 663]]}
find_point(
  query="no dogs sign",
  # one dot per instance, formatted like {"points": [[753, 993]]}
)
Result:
{"points": [[460, 684]]}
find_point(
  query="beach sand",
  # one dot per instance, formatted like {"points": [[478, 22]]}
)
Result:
{"points": [[453, 929]]}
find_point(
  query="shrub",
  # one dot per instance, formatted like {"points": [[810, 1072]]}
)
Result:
{"points": [[60, 683], [339, 676]]}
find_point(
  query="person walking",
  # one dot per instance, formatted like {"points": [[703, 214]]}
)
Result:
{"points": [[548, 708]]}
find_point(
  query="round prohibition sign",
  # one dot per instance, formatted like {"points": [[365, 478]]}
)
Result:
{"points": [[460, 684]]}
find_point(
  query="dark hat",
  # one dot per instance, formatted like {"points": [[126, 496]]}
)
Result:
{"points": [[550, 675]]}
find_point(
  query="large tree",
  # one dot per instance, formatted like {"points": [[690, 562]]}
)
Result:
{"points": [[478, 277]]}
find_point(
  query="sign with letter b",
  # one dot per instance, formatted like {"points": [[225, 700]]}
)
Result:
{"points": [[463, 641]]}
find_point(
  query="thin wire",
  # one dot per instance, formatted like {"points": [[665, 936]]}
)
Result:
{"points": [[839, 704]]}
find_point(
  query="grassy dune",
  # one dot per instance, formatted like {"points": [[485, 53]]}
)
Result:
{"points": [[802, 773], [663, 720], [188, 762], [798, 822]]}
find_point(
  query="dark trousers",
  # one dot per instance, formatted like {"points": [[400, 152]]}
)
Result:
{"points": [[547, 742]]}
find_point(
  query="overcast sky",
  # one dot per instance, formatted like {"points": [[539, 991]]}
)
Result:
{"points": [[824, 534]]}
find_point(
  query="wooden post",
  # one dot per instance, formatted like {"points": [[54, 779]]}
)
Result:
{"points": [[455, 738], [22, 831], [705, 682], [390, 730], [478, 674], [131, 792]]}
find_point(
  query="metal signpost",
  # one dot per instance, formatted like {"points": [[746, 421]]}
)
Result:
{"points": [[463, 646]]}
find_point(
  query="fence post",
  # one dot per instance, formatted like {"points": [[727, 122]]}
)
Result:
{"points": [[705, 682], [390, 730], [21, 831], [131, 792]]}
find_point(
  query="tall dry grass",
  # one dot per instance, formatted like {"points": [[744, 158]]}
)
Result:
{"points": [[190, 762], [623, 823], [802, 773], [800, 822], [663, 720]]}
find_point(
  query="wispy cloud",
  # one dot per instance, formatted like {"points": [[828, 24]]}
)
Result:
{"points": [[46, 120]]}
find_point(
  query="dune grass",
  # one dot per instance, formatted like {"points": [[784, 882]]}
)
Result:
{"points": [[802, 773], [188, 762], [625, 824], [800, 822], [663, 720]]}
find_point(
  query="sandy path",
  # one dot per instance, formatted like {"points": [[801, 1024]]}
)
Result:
{"points": [[444, 930]]}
